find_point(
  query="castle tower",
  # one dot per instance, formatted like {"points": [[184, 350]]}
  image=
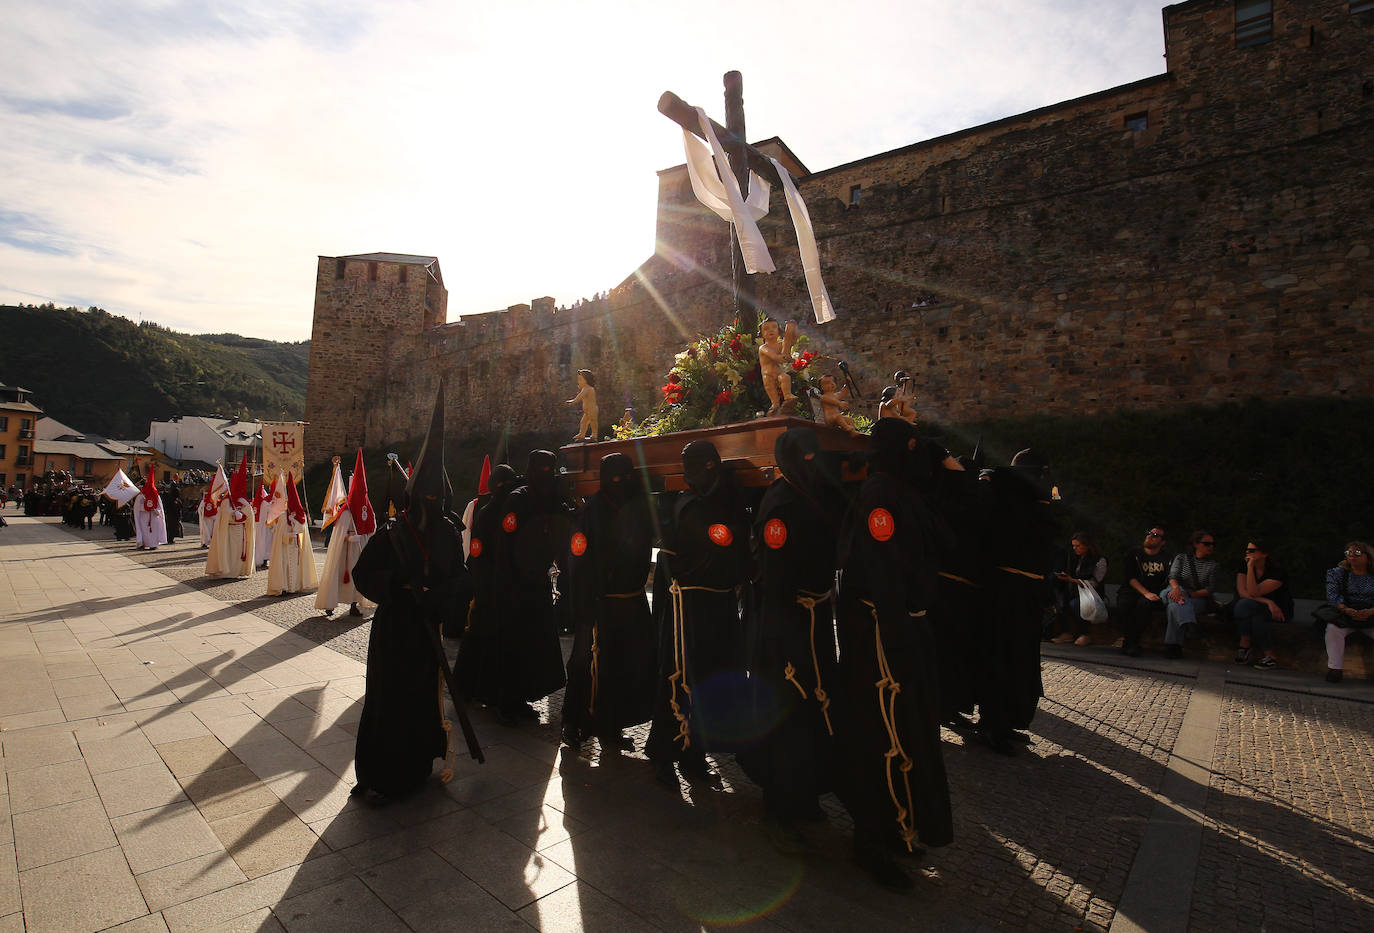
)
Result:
{"points": [[363, 304]]}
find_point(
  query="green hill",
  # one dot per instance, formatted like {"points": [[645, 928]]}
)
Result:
{"points": [[107, 375]]}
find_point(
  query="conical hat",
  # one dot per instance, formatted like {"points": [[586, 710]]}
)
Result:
{"points": [[149, 490], [238, 483], [428, 480], [359, 506], [293, 501]]}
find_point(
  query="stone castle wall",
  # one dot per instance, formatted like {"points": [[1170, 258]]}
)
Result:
{"points": [[1064, 260]]}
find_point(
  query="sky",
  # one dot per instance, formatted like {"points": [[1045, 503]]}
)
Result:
{"points": [[186, 162]]}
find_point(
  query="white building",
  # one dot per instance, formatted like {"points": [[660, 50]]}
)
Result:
{"points": [[207, 439]]}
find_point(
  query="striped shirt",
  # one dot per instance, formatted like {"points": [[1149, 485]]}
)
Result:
{"points": [[1195, 573]]}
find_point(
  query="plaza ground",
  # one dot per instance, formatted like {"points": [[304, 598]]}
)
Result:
{"points": [[177, 756]]}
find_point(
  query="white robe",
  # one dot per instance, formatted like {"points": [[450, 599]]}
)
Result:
{"points": [[292, 567], [207, 524], [262, 542], [344, 547], [150, 527], [231, 546]]}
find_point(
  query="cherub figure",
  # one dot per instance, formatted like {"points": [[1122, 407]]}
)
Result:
{"points": [[834, 405], [775, 355], [906, 396], [589, 427]]}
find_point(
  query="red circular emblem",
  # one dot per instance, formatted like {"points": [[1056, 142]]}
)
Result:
{"points": [[775, 533], [476, 549], [508, 523], [880, 524], [579, 544], [720, 534]]}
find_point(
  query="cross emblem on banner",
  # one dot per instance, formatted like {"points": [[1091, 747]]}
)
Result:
{"points": [[282, 441]]}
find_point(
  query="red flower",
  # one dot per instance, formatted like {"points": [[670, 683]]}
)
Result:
{"points": [[735, 346], [673, 378], [723, 398], [692, 352], [800, 363]]}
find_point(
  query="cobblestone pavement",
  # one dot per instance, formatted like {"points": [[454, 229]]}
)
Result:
{"points": [[1043, 841]]}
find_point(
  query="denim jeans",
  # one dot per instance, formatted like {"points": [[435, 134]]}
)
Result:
{"points": [[1253, 618], [1179, 615]]}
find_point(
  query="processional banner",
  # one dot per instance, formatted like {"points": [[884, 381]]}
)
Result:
{"points": [[283, 449]]}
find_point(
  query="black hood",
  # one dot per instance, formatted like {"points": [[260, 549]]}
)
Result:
{"points": [[541, 475], [891, 446], [619, 479], [428, 492], [701, 467], [797, 451]]}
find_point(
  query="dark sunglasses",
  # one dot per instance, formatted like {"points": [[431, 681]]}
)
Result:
{"points": [[1354, 552], [1251, 550], [1154, 534], [1208, 543]]}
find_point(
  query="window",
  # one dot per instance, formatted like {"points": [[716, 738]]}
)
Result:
{"points": [[3, 477], [90, 469], [402, 274], [25, 424], [1137, 122], [372, 272], [340, 267], [20, 479], [1254, 22], [856, 192], [2, 451], [4, 423]]}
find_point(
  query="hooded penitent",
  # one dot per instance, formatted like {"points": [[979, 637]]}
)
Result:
{"points": [[293, 502], [149, 490], [238, 485]]}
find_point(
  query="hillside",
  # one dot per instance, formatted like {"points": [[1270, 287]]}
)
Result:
{"points": [[108, 375]]}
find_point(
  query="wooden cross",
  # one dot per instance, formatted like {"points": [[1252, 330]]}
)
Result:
{"points": [[743, 157]]}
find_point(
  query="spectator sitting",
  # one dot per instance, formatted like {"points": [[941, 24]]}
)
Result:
{"points": [[1193, 578], [1350, 588], [1089, 566], [1262, 597], [1138, 598]]}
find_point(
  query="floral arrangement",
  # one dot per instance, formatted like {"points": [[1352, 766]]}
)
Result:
{"points": [[716, 380]]}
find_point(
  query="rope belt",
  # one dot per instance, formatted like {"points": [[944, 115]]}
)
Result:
{"points": [[958, 579], [679, 676], [450, 746], [1023, 573], [596, 652], [888, 688], [809, 602]]}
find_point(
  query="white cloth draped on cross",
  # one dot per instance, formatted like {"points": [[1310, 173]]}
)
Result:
{"points": [[716, 187]]}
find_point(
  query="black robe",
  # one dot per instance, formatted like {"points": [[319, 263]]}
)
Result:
{"points": [[171, 511], [615, 646], [957, 617], [475, 670], [701, 699], [792, 666], [413, 583], [892, 773], [1018, 551], [530, 536]]}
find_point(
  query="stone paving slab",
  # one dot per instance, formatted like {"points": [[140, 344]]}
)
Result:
{"points": [[200, 736]]}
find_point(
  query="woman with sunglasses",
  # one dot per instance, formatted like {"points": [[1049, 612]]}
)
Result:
{"points": [[1262, 598], [1193, 579], [1350, 588]]}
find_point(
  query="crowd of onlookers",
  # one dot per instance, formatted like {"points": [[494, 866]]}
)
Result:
{"points": [[1177, 589]]}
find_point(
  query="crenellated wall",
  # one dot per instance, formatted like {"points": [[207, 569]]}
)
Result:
{"points": [[1070, 259]]}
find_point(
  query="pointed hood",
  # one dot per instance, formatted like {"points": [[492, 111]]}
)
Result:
{"points": [[484, 478], [359, 505], [276, 500], [238, 483], [293, 502], [335, 497], [219, 486], [428, 490], [149, 490]]}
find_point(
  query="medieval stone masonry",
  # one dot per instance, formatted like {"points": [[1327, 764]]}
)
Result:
{"points": [[1198, 236]]}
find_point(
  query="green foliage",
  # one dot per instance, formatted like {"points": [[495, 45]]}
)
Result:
{"points": [[1290, 471], [105, 374]]}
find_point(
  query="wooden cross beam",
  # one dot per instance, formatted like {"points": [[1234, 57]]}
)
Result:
{"points": [[743, 157]]}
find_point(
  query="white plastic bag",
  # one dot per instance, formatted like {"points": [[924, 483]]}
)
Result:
{"points": [[1090, 604]]}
